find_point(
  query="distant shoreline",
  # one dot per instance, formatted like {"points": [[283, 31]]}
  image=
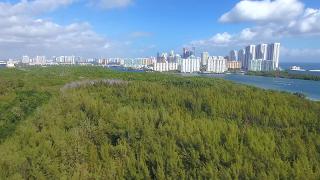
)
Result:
{"points": [[285, 74]]}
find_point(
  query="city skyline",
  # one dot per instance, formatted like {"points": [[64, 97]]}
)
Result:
{"points": [[139, 28], [261, 57]]}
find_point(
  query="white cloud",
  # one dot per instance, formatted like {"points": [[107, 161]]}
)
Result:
{"points": [[248, 34], [308, 23], [221, 38], [273, 21], [300, 55], [26, 7], [22, 33], [264, 11], [40, 36], [110, 4]]}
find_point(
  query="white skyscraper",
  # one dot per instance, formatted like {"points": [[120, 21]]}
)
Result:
{"points": [[262, 51], [25, 59], [274, 54], [204, 58], [261, 65], [241, 57], [250, 55], [40, 60], [234, 55]]}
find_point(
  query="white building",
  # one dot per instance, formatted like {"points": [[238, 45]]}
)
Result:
{"points": [[262, 51], [147, 61], [261, 65], [250, 55], [39, 60], [68, 60], [274, 54], [177, 58], [216, 65], [242, 56], [190, 65], [233, 55], [10, 64], [25, 60], [165, 67], [204, 58]]}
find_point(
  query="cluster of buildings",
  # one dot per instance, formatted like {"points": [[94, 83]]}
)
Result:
{"points": [[62, 60], [189, 63], [55, 60], [262, 57]]}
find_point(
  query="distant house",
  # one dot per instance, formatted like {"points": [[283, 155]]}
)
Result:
{"points": [[10, 65]]}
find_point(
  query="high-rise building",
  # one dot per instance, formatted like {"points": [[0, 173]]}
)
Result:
{"points": [[216, 64], [164, 67], [190, 65], [204, 58], [40, 60], [262, 51], [250, 55], [187, 52], [274, 54], [25, 59], [261, 65], [163, 57], [172, 53], [171, 57], [233, 56], [242, 56], [184, 52], [158, 57], [194, 51]]}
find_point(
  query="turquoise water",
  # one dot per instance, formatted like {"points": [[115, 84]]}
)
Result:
{"points": [[310, 88], [305, 66]]}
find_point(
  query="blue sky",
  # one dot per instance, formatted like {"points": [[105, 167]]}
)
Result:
{"points": [[139, 28]]}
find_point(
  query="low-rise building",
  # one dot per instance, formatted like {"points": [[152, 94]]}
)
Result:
{"points": [[234, 65], [165, 67]]}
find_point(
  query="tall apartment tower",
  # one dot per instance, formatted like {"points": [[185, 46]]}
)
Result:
{"points": [[25, 59], [274, 54], [187, 52], [250, 55], [262, 51], [204, 58], [242, 56], [233, 55]]}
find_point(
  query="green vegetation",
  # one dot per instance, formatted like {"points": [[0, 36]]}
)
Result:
{"points": [[151, 126], [285, 74]]}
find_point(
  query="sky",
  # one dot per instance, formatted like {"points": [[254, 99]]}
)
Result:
{"points": [[141, 28]]}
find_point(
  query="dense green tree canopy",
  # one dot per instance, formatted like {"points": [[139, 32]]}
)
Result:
{"points": [[151, 126]]}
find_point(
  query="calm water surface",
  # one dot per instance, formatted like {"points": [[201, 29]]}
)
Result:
{"points": [[310, 88]]}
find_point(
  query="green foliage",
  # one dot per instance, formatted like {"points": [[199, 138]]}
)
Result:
{"points": [[22, 106], [154, 127]]}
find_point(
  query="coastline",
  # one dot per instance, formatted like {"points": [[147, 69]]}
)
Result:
{"points": [[286, 74]]}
